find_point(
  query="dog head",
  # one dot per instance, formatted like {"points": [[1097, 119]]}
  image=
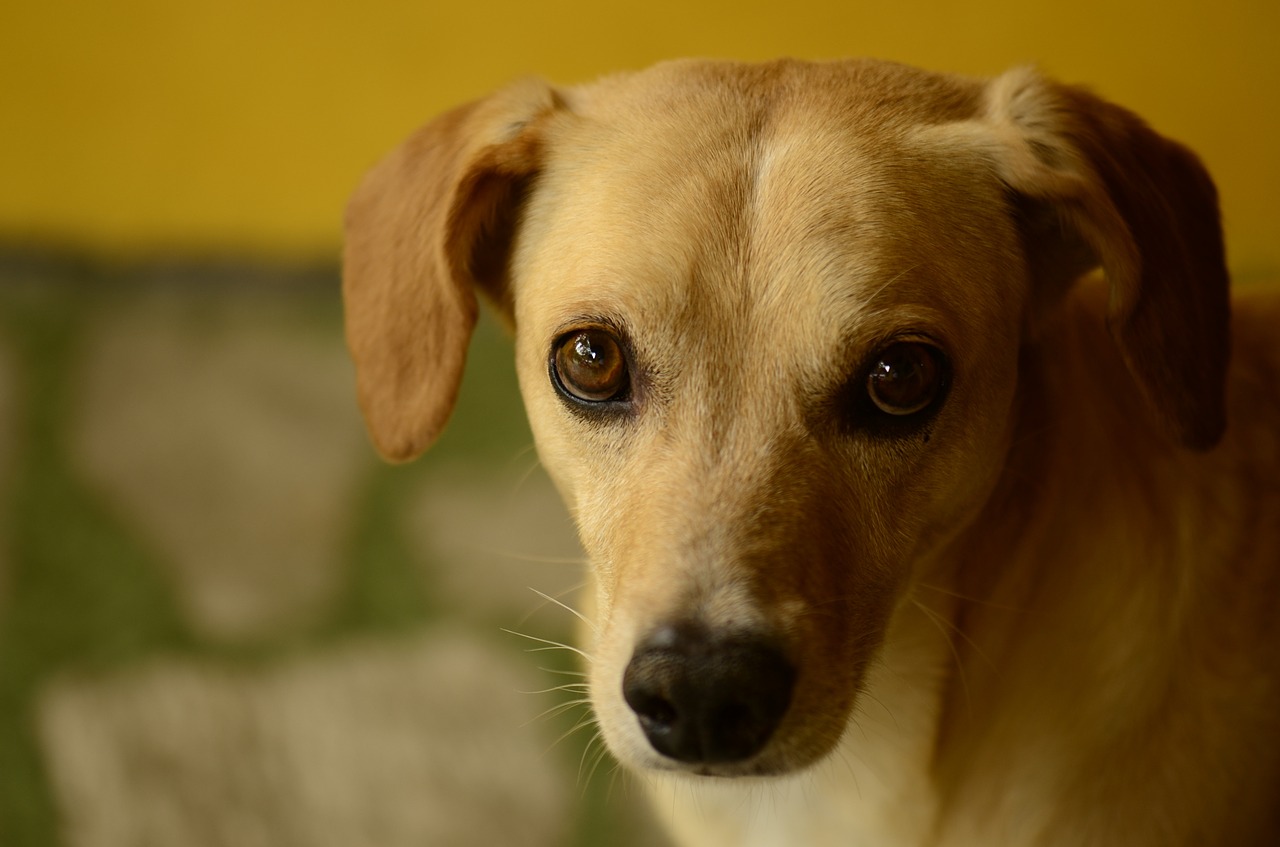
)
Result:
{"points": [[768, 323]]}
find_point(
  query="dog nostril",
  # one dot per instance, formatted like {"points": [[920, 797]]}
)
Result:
{"points": [[702, 699]]}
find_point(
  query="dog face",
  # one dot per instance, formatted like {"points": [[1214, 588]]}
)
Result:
{"points": [[768, 328], [707, 351]]}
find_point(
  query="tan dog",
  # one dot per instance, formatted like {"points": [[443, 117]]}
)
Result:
{"points": [[893, 542]]}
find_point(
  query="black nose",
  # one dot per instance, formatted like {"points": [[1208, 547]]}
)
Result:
{"points": [[702, 699]]}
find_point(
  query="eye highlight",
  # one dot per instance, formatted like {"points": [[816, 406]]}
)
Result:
{"points": [[589, 366], [906, 378]]}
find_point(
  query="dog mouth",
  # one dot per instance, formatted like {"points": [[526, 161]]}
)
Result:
{"points": [[709, 704]]}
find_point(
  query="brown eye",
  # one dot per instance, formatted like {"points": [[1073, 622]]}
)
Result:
{"points": [[590, 366], [905, 378]]}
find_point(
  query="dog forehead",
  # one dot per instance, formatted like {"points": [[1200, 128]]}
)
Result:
{"points": [[852, 87], [737, 192]]}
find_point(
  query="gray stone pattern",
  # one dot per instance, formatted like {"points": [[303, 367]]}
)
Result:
{"points": [[222, 430]]}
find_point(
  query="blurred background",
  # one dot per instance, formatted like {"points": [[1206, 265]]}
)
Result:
{"points": [[222, 620]]}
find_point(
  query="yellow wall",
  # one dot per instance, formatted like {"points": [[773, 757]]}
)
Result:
{"points": [[134, 125]]}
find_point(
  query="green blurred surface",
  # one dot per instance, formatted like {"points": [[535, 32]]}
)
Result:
{"points": [[88, 594]]}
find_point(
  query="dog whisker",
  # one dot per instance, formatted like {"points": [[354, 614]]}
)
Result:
{"points": [[969, 599], [599, 755], [572, 687], [588, 721], [938, 622], [867, 695], [950, 625], [556, 710], [525, 451], [591, 624], [573, 589], [582, 760], [569, 561], [524, 478], [843, 755], [623, 780], [550, 645], [563, 672], [613, 782]]}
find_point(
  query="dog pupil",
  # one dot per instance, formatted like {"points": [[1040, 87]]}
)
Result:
{"points": [[592, 364], [588, 354], [902, 379], [596, 362]]}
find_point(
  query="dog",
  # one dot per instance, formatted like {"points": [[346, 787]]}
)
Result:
{"points": [[928, 473]]}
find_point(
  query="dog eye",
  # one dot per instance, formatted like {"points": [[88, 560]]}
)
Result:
{"points": [[589, 365], [905, 378]]}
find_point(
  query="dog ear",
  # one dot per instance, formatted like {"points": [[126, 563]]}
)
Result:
{"points": [[428, 225], [1106, 189]]}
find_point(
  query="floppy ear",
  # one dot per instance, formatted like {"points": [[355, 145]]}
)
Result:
{"points": [[429, 223], [1109, 190]]}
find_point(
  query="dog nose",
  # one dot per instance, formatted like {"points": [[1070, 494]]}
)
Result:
{"points": [[708, 700]]}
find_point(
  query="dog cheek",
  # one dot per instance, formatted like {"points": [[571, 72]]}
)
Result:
{"points": [[544, 410], [969, 471], [951, 478]]}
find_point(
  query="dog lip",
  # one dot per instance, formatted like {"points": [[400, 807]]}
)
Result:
{"points": [[762, 765]]}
